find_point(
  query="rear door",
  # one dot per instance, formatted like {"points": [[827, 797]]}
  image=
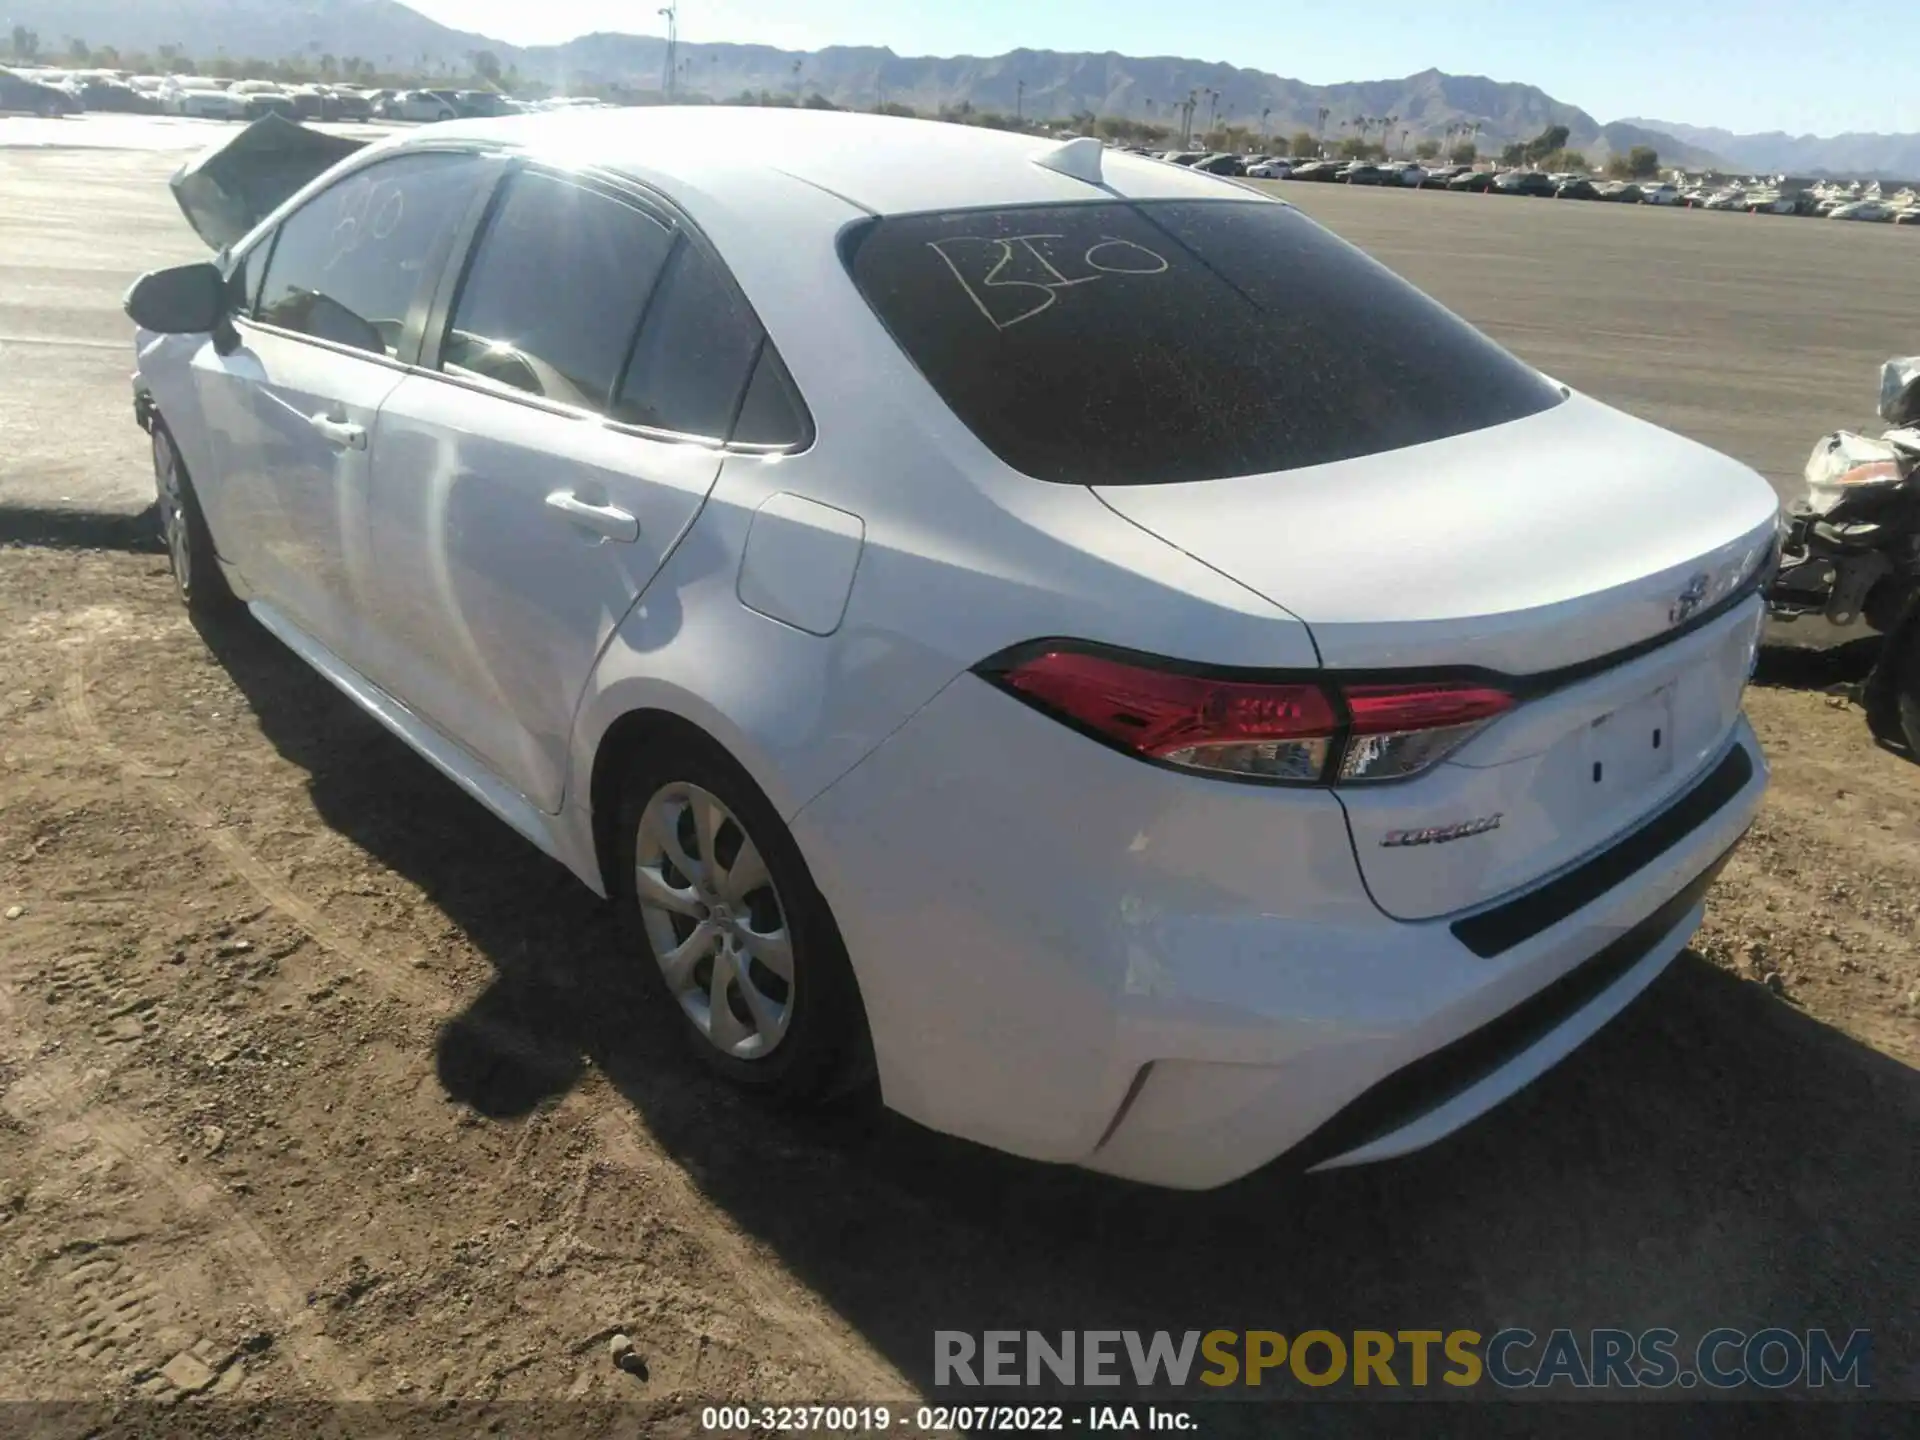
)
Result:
{"points": [[589, 371]]}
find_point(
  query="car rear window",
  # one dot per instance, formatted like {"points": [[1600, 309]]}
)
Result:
{"points": [[1117, 343]]}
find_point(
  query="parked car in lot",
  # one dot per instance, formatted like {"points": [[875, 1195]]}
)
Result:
{"points": [[113, 95], [1477, 181], [1524, 182], [19, 95], [345, 103], [421, 105], [1363, 172], [480, 104], [910, 656], [1578, 188], [1621, 192], [262, 97], [1218, 164], [1404, 172], [1660, 193], [1276, 168], [1869, 210], [192, 96], [1320, 171]]}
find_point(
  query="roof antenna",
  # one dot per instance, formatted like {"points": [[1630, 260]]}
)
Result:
{"points": [[1077, 159]]}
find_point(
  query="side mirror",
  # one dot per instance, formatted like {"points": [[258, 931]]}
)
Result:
{"points": [[184, 300]]}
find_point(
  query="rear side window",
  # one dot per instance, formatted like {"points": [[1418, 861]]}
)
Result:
{"points": [[350, 263], [555, 291], [694, 354], [772, 413], [1120, 343]]}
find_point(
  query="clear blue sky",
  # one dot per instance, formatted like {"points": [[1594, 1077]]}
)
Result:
{"points": [[1797, 65]]}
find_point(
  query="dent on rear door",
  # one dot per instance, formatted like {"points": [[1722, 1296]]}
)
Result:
{"points": [[491, 603]]}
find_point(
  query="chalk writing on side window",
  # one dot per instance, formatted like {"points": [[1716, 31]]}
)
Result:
{"points": [[370, 209]]}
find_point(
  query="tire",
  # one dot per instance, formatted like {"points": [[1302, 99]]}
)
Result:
{"points": [[1891, 693], [1908, 703], [796, 1039], [183, 529]]}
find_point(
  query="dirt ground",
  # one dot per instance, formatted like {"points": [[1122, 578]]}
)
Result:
{"points": [[318, 1084]]}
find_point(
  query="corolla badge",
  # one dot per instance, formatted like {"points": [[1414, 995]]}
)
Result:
{"points": [[1441, 834], [1689, 600]]}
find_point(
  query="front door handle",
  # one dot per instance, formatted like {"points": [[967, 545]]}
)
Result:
{"points": [[608, 520], [344, 433]]}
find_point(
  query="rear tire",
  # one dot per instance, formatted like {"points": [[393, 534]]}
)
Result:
{"points": [[718, 902], [196, 571], [1891, 694]]}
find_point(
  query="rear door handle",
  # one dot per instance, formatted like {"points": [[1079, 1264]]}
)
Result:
{"points": [[344, 433], [608, 520]]}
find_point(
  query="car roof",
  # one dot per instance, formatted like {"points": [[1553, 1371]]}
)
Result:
{"points": [[878, 163]]}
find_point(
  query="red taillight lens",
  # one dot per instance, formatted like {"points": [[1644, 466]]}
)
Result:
{"points": [[1399, 730], [1305, 731], [1277, 732]]}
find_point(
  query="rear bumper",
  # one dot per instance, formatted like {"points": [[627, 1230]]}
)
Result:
{"points": [[1395, 1091], [1075, 957]]}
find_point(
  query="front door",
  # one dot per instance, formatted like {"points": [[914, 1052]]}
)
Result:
{"points": [[291, 412]]}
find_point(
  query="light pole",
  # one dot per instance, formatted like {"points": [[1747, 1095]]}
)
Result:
{"points": [[672, 14]]}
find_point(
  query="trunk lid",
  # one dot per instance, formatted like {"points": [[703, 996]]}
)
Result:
{"points": [[1537, 550], [227, 190]]}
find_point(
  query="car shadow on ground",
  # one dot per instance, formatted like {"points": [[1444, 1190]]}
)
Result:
{"points": [[56, 528], [1715, 1157]]}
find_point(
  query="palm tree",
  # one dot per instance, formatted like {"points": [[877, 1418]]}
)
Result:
{"points": [[1323, 113], [1263, 125]]}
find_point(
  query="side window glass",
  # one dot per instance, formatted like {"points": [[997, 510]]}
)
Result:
{"points": [[244, 276], [771, 414], [349, 264], [694, 352], [555, 291]]}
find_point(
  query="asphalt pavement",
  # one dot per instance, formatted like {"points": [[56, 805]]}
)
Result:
{"points": [[1754, 334]]}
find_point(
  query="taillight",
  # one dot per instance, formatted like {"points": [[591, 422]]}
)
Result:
{"points": [[1300, 731], [1399, 730]]}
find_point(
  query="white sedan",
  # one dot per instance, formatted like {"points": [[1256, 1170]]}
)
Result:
{"points": [[207, 102], [1066, 637]]}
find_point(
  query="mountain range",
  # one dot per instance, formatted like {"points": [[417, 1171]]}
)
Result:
{"points": [[1039, 83], [1887, 157]]}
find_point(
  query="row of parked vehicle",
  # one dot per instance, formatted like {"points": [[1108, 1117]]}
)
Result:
{"points": [[1415, 174], [69, 92], [1830, 200]]}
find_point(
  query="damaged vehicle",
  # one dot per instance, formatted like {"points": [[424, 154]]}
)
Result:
{"points": [[913, 571], [1850, 562]]}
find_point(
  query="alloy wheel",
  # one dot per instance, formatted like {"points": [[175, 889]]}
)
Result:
{"points": [[173, 518], [714, 920]]}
